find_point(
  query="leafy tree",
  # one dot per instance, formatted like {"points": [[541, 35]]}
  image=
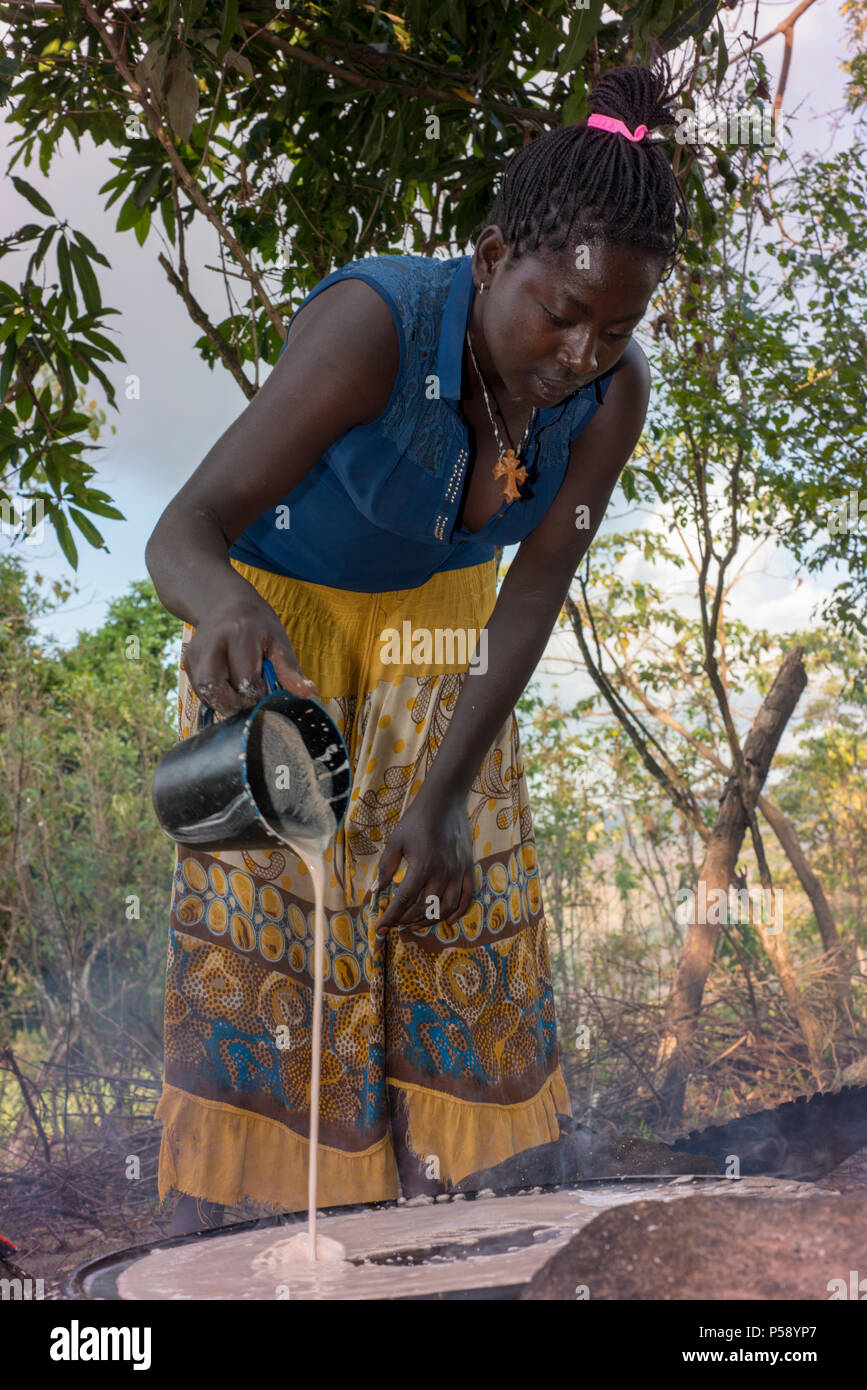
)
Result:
{"points": [[756, 423], [51, 334], [822, 783], [819, 470], [855, 13], [84, 866], [305, 137]]}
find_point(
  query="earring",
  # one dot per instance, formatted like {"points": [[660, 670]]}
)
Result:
{"points": [[481, 289]]}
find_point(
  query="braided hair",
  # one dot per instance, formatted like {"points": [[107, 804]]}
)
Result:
{"points": [[597, 185]]}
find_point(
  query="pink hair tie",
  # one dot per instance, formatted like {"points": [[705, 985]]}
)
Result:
{"points": [[616, 127]]}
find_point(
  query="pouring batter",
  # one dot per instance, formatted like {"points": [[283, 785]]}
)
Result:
{"points": [[423, 414], [287, 782]]}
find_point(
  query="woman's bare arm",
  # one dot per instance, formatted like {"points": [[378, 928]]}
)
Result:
{"points": [[337, 371], [530, 599], [538, 580]]}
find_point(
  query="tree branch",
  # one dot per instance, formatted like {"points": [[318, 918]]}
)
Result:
{"points": [[230, 359], [193, 190], [680, 797], [400, 89]]}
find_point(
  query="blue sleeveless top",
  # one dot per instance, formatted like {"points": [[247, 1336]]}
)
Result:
{"points": [[377, 511]]}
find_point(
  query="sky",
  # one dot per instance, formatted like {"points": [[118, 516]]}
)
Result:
{"points": [[182, 407]]}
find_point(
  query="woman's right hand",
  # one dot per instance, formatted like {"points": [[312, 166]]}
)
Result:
{"points": [[223, 659]]}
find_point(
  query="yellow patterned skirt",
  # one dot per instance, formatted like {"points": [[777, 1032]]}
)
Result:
{"points": [[458, 1021]]}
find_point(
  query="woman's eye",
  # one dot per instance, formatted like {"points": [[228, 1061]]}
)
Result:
{"points": [[564, 323]]}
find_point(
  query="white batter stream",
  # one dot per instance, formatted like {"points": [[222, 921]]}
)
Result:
{"points": [[283, 745], [306, 1246]]}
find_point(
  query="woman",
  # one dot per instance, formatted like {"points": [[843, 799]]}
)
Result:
{"points": [[422, 414]]}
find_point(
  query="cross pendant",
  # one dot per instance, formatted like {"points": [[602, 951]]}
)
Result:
{"points": [[509, 467]]}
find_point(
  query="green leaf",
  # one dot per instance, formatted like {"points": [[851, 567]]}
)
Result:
{"points": [[109, 348], [575, 106], [128, 215], [86, 279], [239, 62], [152, 66], [117, 184], [87, 528], [101, 377], [547, 45], [373, 140], [37, 200], [143, 191], [64, 535], [95, 504], [656, 484], [581, 32], [693, 21], [88, 247], [69, 392], [167, 213], [722, 61], [706, 212], [182, 99], [39, 253], [230, 21], [64, 266], [46, 150], [6, 370], [142, 227]]}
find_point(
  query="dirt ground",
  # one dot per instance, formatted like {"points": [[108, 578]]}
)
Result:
{"points": [[718, 1248], [61, 1218]]}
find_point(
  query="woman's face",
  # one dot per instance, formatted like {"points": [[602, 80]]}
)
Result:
{"points": [[553, 321]]}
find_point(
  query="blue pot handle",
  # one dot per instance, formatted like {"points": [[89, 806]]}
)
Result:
{"points": [[206, 714]]}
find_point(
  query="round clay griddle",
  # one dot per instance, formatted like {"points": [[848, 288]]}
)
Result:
{"points": [[452, 1248]]}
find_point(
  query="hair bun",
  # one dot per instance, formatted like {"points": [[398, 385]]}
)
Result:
{"points": [[576, 183], [635, 94]]}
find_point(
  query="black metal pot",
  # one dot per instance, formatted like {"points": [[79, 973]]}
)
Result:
{"points": [[213, 791]]}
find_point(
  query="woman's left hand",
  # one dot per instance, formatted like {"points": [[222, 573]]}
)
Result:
{"points": [[434, 837]]}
